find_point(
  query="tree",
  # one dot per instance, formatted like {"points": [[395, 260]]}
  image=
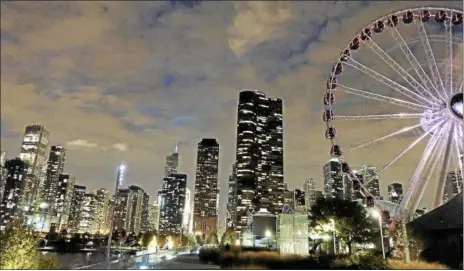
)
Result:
{"points": [[212, 239], [229, 237], [147, 237], [352, 225], [18, 249], [200, 240]]}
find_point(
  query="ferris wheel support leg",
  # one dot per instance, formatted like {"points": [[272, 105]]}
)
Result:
{"points": [[407, 253], [443, 172]]}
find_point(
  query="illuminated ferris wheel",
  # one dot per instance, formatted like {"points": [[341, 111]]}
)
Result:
{"points": [[396, 93]]}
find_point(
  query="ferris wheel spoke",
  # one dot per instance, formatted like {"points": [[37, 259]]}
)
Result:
{"points": [[434, 160], [444, 169], [459, 88], [380, 117], [417, 67], [420, 89], [436, 77], [410, 147], [449, 56], [415, 178], [404, 130], [458, 149], [382, 98], [388, 82]]}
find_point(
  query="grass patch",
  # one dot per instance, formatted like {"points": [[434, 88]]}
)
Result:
{"points": [[416, 265]]}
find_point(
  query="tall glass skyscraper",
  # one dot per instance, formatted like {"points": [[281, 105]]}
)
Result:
{"points": [[34, 153], [205, 213], [259, 156]]}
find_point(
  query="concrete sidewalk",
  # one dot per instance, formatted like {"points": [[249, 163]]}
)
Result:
{"points": [[185, 262]]}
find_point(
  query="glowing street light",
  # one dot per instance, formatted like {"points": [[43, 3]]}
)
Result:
{"points": [[376, 214]]}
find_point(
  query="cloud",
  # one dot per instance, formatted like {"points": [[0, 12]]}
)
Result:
{"points": [[122, 147], [150, 74], [81, 143]]}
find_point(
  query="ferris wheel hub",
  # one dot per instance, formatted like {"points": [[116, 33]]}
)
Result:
{"points": [[456, 106]]}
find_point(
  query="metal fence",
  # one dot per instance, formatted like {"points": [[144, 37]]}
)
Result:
{"points": [[143, 260]]}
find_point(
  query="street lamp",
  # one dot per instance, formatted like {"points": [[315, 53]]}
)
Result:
{"points": [[376, 214], [119, 178], [333, 232], [268, 236]]}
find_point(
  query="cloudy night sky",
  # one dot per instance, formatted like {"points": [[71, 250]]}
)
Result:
{"points": [[125, 81]]}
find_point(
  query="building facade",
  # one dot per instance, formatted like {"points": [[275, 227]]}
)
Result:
{"points": [[14, 183], [55, 167], [63, 201], [370, 180], [145, 206], [299, 197], [205, 216], [119, 218], [395, 192], [232, 199], [333, 181], [88, 215], [259, 156], [34, 152], [102, 224], [77, 204], [453, 185], [172, 204], [309, 187], [134, 209], [153, 216], [172, 163]]}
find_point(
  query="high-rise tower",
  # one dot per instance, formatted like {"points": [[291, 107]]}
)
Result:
{"points": [[172, 163], [205, 213], [172, 204], [259, 156], [34, 153], [55, 167], [232, 199], [333, 181], [395, 192], [309, 187], [453, 185]]}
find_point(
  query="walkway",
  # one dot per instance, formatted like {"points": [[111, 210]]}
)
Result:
{"points": [[185, 262]]}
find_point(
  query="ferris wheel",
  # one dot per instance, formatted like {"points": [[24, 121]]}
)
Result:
{"points": [[400, 82]]}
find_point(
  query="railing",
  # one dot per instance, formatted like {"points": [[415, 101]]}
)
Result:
{"points": [[144, 260]]}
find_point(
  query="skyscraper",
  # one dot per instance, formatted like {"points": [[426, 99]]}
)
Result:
{"points": [[333, 182], [172, 204], [101, 211], [3, 174], [120, 209], [289, 198], [77, 203], [153, 216], [87, 215], [134, 209], [172, 163], [187, 211], [34, 153], [395, 192], [299, 197], [453, 185], [259, 156], [309, 187], [205, 216], [232, 199], [16, 173], [2, 159], [55, 167], [370, 180], [145, 210], [63, 200]]}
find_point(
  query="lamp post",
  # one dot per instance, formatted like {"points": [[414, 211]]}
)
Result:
{"points": [[333, 232], [268, 236], [377, 215], [121, 169]]}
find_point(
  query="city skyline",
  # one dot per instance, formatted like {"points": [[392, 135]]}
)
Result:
{"points": [[129, 117]]}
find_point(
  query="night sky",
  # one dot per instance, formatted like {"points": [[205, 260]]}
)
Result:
{"points": [[125, 81]]}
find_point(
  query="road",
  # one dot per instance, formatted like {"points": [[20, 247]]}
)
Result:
{"points": [[184, 262]]}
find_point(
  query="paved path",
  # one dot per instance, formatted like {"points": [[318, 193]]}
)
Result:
{"points": [[184, 262]]}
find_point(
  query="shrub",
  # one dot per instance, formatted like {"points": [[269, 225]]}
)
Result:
{"points": [[417, 264], [209, 255], [247, 267]]}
